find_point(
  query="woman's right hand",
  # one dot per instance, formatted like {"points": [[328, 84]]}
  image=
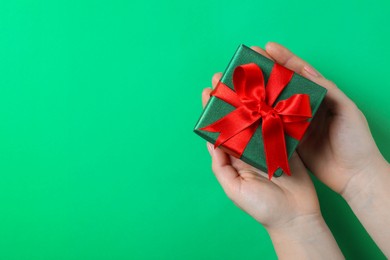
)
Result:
{"points": [[338, 146], [340, 151]]}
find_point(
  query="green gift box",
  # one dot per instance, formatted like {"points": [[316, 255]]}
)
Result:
{"points": [[216, 108]]}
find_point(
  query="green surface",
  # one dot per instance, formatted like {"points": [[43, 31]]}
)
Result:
{"points": [[98, 102], [216, 108]]}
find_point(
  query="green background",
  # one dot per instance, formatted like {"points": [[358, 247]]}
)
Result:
{"points": [[98, 100]]}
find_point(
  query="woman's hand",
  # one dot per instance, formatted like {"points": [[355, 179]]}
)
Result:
{"points": [[272, 203], [287, 206], [339, 149], [338, 145]]}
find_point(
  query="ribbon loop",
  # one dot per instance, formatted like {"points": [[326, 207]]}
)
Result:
{"points": [[254, 103]]}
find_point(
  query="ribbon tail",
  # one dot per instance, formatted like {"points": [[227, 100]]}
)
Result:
{"points": [[274, 145]]}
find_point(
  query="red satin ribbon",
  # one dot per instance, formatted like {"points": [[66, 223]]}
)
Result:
{"points": [[254, 101]]}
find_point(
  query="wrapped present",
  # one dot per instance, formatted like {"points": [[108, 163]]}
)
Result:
{"points": [[259, 111]]}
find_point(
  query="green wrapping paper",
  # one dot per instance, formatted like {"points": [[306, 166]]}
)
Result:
{"points": [[216, 108]]}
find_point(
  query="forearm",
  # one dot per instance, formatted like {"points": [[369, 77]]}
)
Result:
{"points": [[306, 238], [369, 197]]}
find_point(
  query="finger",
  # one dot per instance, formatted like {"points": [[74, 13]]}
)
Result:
{"points": [[285, 57], [216, 78], [225, 173], [337, 100], [261, 51], [206, 92], [205, 96]]}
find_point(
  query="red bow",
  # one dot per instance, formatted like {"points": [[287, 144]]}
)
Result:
{"points": [[253, 102]]}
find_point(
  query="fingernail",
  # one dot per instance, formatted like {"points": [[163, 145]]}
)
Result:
{"points": [[210, 148], [311, 71]]}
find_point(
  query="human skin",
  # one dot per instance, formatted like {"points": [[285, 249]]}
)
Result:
{"points": [[341, 152], [338, 148]]}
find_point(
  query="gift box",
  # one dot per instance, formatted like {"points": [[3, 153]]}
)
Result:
{"points": [[259, 111]]}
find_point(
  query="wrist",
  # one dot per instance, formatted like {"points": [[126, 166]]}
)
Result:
{"points": [[365, 184], [305, 237], [298, 230], [369, 197]]}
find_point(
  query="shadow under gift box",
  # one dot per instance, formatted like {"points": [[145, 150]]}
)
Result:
{"points": [[216, 108]]}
